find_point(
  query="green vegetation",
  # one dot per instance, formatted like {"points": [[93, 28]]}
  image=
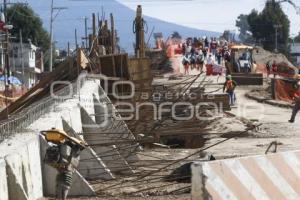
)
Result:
{"points": [[23, 17], [263, 26], [244, 28], [176, 35]]}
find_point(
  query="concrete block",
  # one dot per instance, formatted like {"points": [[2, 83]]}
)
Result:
{"points": [[49, 121], [91, 167], [101, 112], [71, 114], [87, 121], [3, 181], [89, 88], [197, 180], [34, 168], [23, 167], [68, 129], [16, 177]]}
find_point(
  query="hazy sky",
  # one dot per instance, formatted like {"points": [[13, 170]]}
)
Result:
{"points": [[214, 15]]}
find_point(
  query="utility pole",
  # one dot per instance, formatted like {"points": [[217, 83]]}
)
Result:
{"points": [[4, 6], [76, 42], [6, 67], [52, 18], [22, 61], [276, 26], [51, 38], [113, 41], [86, 32], [94, 25], [68, 54]]}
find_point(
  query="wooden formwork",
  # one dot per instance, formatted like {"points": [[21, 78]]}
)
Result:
{"points": [[114, 65], [139, 68], [248, 78], [65, 71]]}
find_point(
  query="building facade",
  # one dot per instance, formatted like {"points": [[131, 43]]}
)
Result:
{"points": [[295, 52], [29, 62]]}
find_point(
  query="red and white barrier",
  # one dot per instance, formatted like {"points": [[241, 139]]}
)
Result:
{"points": [[266, 177]]}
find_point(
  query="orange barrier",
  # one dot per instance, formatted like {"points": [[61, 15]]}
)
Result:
{"points": [[284, 91], [170, 51], [209, 70]]}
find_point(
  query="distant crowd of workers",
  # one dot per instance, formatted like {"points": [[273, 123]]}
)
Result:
{"points": [[197, 52]]}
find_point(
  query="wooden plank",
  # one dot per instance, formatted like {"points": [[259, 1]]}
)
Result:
{"points": [[60, 71]]}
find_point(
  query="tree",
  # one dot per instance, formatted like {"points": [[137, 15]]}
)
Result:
{"points": [[228, 36], [176, 35], [23, 17], [244, 28], [297, 38], [263, 26]]}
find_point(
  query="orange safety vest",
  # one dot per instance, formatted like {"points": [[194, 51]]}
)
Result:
{"points": [[229, 85]]}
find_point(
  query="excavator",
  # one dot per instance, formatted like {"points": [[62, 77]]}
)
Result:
{"points": [[242, 67]]}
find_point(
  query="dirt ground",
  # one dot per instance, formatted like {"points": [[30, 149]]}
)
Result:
{"points": [[273, 126]]}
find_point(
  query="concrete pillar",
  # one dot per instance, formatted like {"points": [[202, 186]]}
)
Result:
{"points": [[23, 168], [3, 181], [101, 113], [16, 177], [197, 182], [71, 115]]}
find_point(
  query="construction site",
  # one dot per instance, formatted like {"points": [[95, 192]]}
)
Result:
{"points": [[152, 126]]}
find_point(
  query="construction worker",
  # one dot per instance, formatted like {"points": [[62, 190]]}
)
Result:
{"points": [[230, 86], [186, 64], [268, 67], [296, 108], [63, 155], [274, 68]]}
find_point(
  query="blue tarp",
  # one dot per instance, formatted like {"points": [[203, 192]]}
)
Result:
{"points": [[13, 80]]}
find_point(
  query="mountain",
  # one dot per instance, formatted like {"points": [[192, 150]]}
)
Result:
{"points": [[72, 18]]}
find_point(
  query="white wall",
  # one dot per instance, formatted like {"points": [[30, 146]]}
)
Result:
{"points": [[295, 48], [23, 176], [28, 55]]}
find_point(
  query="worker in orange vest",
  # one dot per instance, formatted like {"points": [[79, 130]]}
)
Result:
{"points": [[230, 86], [296, 108]]}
